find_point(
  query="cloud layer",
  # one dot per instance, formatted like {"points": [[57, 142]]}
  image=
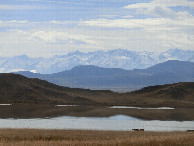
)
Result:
{"points": [[46, 28]]}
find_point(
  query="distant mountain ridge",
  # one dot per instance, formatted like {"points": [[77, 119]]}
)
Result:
{"points": [[119, 58], [93, 77]]}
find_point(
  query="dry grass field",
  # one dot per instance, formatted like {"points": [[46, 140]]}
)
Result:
{"points": [[30, 137]]}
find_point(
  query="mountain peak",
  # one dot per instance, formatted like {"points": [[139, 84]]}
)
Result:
{"points": [[118, 58], [75, 53], [23, 56]]}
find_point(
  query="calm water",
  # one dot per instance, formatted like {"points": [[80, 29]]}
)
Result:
{"points": [[94, 118], [132, 107], [118, 122]]}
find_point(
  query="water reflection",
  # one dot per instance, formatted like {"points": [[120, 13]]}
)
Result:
{"points": [[66, 105], [132, 107], [42, 111]]}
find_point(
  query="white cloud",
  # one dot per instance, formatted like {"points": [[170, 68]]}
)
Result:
{"points": [[151, 33], [162, 28], [2, 70], [61, 2], [43, 43], [61, 22], [127, 16], [15, 70], [164, 12], [109, 16], [33, 71], [48, 1], [45, 39], [155, 23], [162, 8], [165, 3], [15, 21], [59, 37], [137, 6], [19, 7]]}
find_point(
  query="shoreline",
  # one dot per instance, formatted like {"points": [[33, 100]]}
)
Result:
{"points": [[96, 105], [27, 111]]}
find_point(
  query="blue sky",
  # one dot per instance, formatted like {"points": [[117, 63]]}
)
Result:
{"points": [[63, 10], [43, 28]]}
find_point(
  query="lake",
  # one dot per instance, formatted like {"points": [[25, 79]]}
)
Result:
{"points": [[96, 118]]}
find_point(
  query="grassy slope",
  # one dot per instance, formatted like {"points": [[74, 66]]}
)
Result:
{"points": [[19, 89]]}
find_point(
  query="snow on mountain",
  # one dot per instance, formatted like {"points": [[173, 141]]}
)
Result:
{"points": [[19, 63], [119, 58]]}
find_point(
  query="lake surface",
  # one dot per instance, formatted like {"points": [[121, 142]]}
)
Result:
{"points": [[5, 104], [96, 118], [118, 122], [132, 107]]}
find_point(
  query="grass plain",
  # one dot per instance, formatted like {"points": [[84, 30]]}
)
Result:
{"points": [[31, 137]]}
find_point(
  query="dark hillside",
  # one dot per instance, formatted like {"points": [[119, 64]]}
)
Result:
{"points": [[19, 89], [15, 88]]}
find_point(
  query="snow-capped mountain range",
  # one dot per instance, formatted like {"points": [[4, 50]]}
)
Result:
{"points": [[119, 58]]}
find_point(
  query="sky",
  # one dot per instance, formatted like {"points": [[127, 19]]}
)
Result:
{"points": [[44, 28]]}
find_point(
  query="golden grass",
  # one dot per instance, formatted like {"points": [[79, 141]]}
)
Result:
{"points": [[32, 137]]}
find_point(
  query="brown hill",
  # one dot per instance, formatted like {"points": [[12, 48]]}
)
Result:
{"points": [[178, 94], [19, 89]]}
